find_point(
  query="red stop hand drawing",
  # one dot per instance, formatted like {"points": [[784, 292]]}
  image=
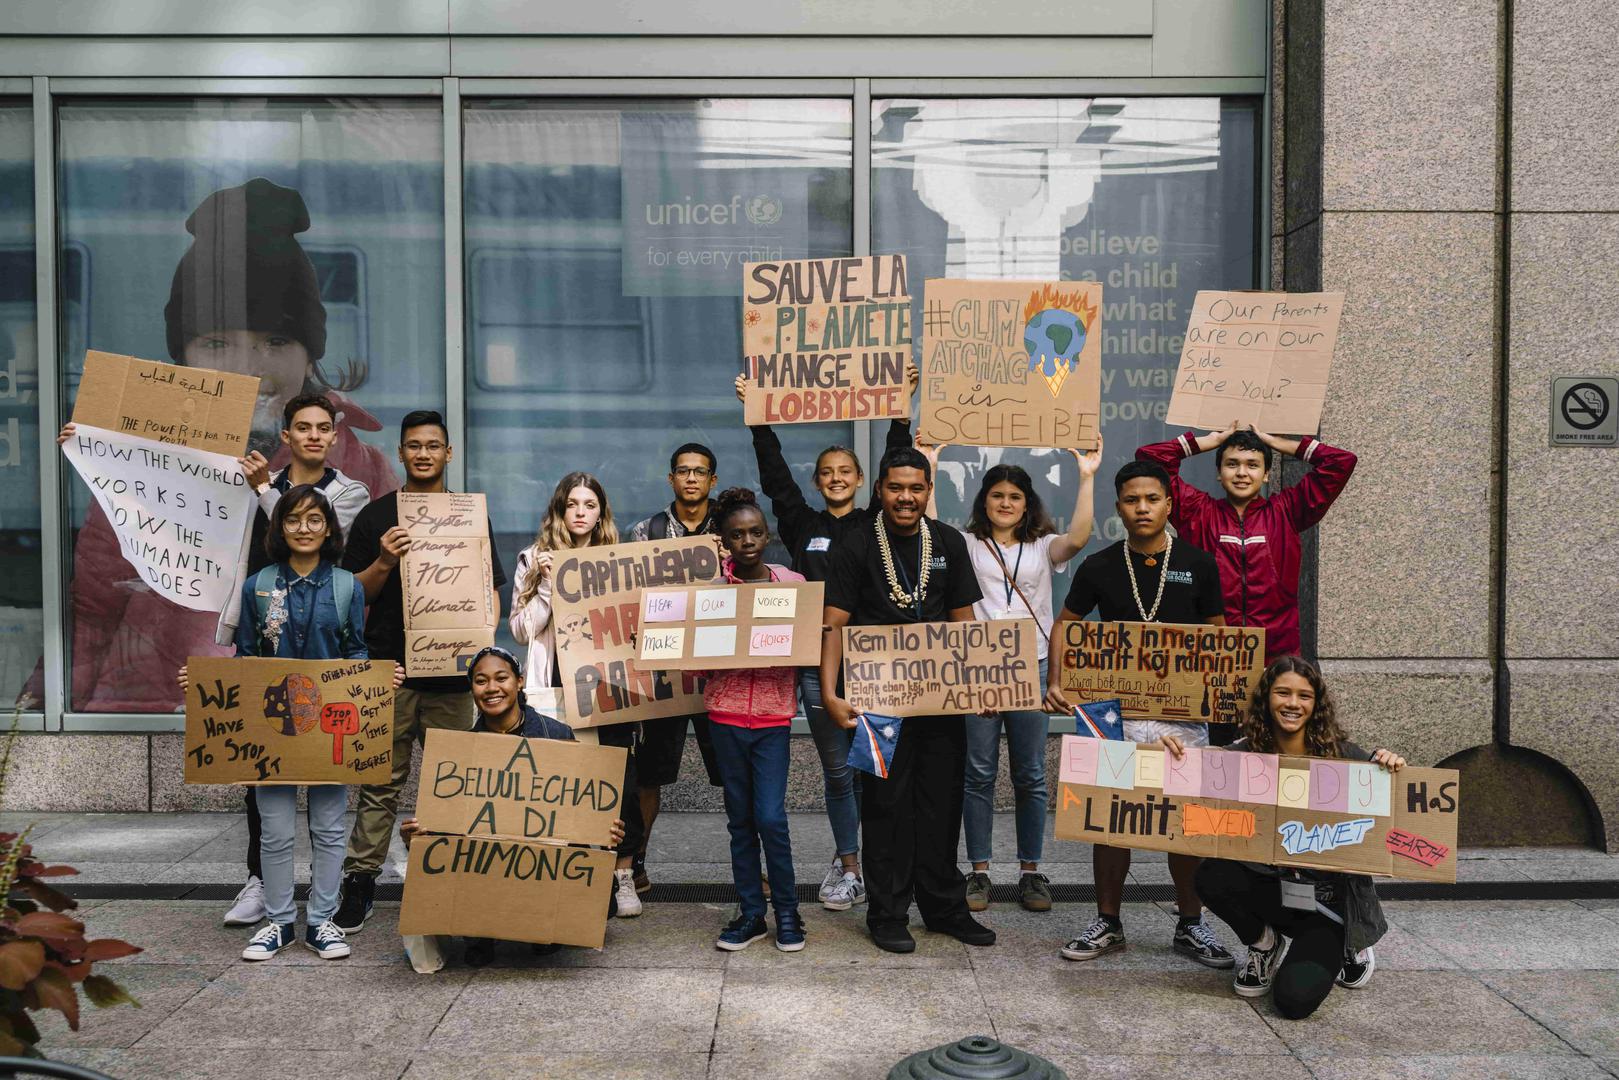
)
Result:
{"points": [[337, 720]]}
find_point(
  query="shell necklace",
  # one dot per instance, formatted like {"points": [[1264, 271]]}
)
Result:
{"points": [[896, 592], [1163, 576]]}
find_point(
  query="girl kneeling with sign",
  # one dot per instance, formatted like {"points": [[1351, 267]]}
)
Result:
{"points": [[1305, 929]]}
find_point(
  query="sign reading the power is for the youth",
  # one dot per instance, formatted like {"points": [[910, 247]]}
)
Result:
{"points": [[826, 340]]}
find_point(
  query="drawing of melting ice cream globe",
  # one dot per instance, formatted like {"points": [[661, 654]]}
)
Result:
{"points": [[1054, 335]]}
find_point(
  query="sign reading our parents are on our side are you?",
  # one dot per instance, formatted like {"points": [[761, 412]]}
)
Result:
{"points": [[712, 627], [1324, 814], [1161, 671], [921, 669], [825, 340], [448, 581], [1012, 363]]}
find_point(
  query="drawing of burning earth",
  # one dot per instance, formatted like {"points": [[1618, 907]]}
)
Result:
{"points": [[1054, 335], [292, 704]]}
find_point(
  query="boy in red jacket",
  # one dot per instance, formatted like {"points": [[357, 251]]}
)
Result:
{"points": [[1255, 540]]}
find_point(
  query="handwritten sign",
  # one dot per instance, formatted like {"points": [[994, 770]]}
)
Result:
{"points": [[167, 403], [181, 515], [482, 784], [1012, 363], [271, 721], [1162, 671], [1259, 358], [825, 340], [920, 669], [1320, 813], [596, 609], [448, 581], [713, 627]]}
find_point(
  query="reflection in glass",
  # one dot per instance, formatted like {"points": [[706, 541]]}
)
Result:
{"points": [[604, 249], [298, 241], [1153, 197]]}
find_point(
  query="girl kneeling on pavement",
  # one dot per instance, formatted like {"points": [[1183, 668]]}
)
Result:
{"points": [[750, 711], [1293, 953], [297, 618], [497, 691]]}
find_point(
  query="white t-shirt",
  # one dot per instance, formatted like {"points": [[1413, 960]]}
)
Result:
{"points": [[1030, 566]]}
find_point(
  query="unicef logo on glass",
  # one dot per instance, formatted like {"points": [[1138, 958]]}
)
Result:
{"points": [[764, 209]]}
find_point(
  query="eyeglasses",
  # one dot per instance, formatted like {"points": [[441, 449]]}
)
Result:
{"points": [[313, 523], [430, 448], [693, 470]]}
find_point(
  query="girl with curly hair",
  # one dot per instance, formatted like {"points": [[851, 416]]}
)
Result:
{"points": [[1295, 952]]}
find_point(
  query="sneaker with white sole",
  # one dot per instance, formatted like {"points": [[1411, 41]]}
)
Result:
{"points": [[1101, 937], [269, 941], [1357, 969], [1196, 940], [977, 891], [629, 903], [849, 891], [326, 940], [1254, 976], [248, 907], [834, 877]]}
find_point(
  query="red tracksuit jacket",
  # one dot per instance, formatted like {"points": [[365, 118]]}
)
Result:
{"points": [[1259, 554]]}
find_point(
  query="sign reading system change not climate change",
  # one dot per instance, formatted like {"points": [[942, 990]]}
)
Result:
{"points": [[448, 580]]}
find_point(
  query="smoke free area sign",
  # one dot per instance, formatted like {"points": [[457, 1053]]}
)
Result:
{"points": [[1585, 411]]}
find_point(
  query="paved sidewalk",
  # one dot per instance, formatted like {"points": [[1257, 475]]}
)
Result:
{"points": [[1499, 988]]}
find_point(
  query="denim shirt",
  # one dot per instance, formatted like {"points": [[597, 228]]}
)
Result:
{"points": [[311, 629]]}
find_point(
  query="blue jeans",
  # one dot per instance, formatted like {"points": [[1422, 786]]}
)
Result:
{"points": [[842, 782], [1026, 754], [278, 813], [753, 770]]}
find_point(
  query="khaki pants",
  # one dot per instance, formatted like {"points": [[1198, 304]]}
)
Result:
{"points": [[414, 712]]}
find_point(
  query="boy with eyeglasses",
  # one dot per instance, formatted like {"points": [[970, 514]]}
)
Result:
{"points": [[693, 472], [375, 546]]}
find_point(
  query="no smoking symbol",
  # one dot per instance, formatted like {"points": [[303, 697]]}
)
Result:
{"points": [[1584, 406]]}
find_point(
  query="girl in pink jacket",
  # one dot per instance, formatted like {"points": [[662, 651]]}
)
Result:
{"points": [[750, 712]]}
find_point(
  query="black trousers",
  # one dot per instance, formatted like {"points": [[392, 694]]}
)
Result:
{"points": [[1250, 901], [911, 825], [629, 805]]}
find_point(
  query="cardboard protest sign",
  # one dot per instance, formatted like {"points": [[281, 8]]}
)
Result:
{"points": [[1318, 813], [182, 516], [713, 627], [167, 403], [825, 340], [596, 607], [919, 669], [481, 784], [1161, 671], [1012, 363], [448, 581], [507, 889], [271, 721], [1259, 358]]}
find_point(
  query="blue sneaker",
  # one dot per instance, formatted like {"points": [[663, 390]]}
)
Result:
{"points": [[326, 940], [789, 931], [741, 932], [269, 940]]}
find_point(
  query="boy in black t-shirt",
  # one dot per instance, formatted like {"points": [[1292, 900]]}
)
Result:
{"points": [[1148, 577], [904, 568]]}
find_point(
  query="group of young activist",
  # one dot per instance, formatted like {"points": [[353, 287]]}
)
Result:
{"points": [[322, 581]]}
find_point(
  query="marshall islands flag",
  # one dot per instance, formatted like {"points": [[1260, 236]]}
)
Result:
{"points": [[875, 737], [1099, 720]]}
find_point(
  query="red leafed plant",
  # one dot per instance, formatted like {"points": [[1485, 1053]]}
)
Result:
{"points": [[44, 954]]}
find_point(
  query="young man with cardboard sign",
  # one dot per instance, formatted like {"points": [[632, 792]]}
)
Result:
{"points": [[905, 568], [1162, 580], [1254, 539], [376, 547]]}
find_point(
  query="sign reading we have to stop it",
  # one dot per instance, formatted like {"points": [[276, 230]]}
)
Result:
{"points": [[448, 581]]}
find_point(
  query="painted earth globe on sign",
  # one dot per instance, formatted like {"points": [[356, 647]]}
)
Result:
{"points": [[1054, 339], [292, 705]]}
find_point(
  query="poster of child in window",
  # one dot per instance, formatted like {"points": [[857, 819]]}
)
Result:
{"points": [[244, 299]]}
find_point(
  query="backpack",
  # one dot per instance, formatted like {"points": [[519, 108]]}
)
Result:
{"points": [[342, 596]]}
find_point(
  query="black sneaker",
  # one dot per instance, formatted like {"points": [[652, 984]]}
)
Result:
{"points": [[789, 931], [741, 932], [1034, 891], [1196, 940], [643, 884], [355, 907], [1102, 936], [977, 891], [1253, 980], [965, 929], [1357, 969], [894, 939]]}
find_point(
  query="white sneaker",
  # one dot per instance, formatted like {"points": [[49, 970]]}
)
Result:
{"points": [[629, 904], [849, 891], [248, 907], [834, 875]]}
